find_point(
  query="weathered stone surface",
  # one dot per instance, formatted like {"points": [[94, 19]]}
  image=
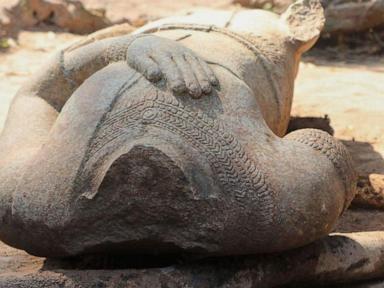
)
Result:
{"points": [[110, 162], [339, 258]]}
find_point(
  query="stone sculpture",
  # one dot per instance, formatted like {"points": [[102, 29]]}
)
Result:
{"points": [[168, 140]]}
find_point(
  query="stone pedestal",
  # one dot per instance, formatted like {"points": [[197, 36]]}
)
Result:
{"points": [[320, 262]]}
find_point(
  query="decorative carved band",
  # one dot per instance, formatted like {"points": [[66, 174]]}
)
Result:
{"points": [[236, 172]]}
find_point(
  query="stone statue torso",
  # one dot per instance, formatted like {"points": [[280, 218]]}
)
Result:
{"points": [[129, 166]]}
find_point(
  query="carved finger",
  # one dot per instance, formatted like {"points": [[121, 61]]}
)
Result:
{"points": [[190, 79], [172, 73], [200, 74], [152, 70], [211, 76], [146, 66]]}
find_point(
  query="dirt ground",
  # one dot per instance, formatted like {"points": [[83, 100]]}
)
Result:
{"points": [[349, 90]]}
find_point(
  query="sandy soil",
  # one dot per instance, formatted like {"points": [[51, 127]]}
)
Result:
{"points": [[352, 95], [139, 10]]}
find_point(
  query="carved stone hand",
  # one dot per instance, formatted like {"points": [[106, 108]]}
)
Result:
{"points": [[159, 58]]}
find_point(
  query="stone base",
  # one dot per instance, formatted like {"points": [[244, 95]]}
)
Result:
{"points": [[20, 270]]}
